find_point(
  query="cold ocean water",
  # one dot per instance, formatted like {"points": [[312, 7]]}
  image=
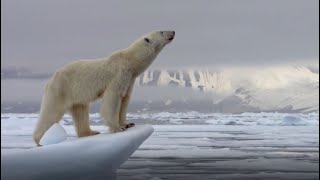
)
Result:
{"points": [[191, 146]]}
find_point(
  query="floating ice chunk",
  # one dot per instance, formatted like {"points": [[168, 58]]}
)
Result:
{"points": [[54, 135], [231, 123], [95, 157], [293, 121], [155, 178]]}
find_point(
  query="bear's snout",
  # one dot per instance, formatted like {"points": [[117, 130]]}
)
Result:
{"points": [[172, 34]]}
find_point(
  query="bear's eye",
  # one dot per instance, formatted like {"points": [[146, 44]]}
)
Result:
{"points": [[147, 40]]}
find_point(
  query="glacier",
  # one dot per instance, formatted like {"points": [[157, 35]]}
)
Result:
{"points": [[234, 90]]}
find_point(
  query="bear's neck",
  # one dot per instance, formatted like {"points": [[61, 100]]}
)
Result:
{"points": [[140, 60]]}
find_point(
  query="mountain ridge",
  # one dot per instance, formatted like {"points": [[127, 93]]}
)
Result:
{"points": [[292, 88]]}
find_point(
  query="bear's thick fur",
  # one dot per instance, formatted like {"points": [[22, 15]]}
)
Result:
{"points": [[77, 84]]}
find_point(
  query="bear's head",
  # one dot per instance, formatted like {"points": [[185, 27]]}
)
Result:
{"points": [[152, 42], [158, 39], [144, 50]]}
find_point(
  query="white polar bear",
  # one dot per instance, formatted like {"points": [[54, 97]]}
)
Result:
{"points": [[77, 84]]}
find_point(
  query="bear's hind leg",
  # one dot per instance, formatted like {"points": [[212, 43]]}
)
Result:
{"points": [[80, 115], [50, 113]]}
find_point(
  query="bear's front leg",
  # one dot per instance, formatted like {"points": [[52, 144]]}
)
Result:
{"points": [[111, 103], [124, 107]]}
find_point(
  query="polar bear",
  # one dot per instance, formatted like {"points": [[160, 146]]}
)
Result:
{"points": [[75, 85]]}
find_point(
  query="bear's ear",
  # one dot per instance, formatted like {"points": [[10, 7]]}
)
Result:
{"points": [[147, 40]]}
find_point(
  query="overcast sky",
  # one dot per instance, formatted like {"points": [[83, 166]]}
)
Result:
{"points": [[43, 35]]}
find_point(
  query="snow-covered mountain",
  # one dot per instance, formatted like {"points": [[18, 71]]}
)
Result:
{"points": [[289, 89], [224, 90]]}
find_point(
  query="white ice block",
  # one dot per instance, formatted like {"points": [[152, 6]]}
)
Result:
{"points": [[54, 135]]}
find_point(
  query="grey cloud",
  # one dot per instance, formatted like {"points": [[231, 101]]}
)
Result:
{"points": [[44, 35]]}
